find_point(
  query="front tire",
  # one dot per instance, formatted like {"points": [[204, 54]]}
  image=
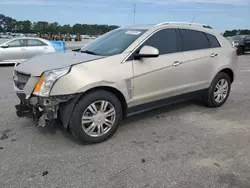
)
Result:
{"points": [[96, 117], [218, 91]]}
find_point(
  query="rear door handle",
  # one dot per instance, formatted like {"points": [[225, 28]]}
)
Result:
{"points": [[176, 63], [213, 55]]}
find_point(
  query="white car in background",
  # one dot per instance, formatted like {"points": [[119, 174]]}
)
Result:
{"points": [[20, 49]]}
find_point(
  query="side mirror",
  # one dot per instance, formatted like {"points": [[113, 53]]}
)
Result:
{"points": [[147, 52], [4, 46]]}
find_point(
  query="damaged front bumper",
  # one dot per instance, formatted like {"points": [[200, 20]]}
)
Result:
{"points": [[45, 110]]}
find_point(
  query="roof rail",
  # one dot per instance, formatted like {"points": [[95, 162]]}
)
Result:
{"points": [[184, 23]]}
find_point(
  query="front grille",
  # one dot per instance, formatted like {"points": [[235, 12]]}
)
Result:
{"points": [[20, 79]]}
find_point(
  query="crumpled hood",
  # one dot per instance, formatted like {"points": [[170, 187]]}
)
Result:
{"points": [[38, 64]]}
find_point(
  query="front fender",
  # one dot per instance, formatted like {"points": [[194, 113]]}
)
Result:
{"points": [[66, 109]]}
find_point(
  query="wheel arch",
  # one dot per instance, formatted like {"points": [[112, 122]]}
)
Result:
{"points": [[66, 109], [229, 72], [115, 92]]}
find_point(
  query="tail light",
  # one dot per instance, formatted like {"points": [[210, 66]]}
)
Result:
{"points": [[236, 51]]}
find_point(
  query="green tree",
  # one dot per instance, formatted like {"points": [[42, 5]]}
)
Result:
{"points": [[65, 29], [228, 33], [245, 32], [77, 28], [8, 24], [26, 26], [40, 27], [53, 27]]}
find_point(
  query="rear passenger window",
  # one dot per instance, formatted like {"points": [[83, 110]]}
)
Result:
{"points": [[35, 42], [193, 40], [164, 41], [214, 43]]}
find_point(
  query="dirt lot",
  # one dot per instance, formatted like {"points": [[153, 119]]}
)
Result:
{"points": [[181, 146]]}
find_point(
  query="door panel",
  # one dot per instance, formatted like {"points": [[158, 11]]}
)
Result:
{"points": [[161, 77], [200, 51], [36, 47], [158, 78], [200, 63]]}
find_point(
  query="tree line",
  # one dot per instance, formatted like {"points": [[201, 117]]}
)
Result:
{"points": [[228, 33], [8, 24]]}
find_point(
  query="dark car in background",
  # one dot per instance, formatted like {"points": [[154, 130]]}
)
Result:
{"points": [[241, 42]]}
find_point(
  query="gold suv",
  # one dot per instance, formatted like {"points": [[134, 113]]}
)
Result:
{"points": [[126, 71]]}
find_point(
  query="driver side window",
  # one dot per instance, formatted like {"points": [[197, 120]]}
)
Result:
{"points": [[17, 43], [164, 40]]}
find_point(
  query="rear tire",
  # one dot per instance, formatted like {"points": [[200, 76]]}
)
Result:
{"points": [[241, 50], [218, 91], [90, 127]]}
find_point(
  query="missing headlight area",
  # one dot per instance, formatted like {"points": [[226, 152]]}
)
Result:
{"points": [[43, 110]]}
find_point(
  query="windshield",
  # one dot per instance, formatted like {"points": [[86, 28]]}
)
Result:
{"points": [[114, 42]]}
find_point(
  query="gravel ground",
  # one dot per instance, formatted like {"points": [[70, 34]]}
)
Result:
{"points": [[182, 146]]}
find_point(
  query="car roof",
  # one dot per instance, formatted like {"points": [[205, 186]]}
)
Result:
{"points": [[184, 25], [25, 38], [147, 27]]}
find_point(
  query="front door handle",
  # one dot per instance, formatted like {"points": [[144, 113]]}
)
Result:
{"points": [[176, 63], [213, 55]]}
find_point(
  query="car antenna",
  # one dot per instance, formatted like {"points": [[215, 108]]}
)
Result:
{"points": [[192, 20], [134, 12]]}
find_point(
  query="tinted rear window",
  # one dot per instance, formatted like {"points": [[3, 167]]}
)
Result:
{"points": [[214, 43], [193, 40]]}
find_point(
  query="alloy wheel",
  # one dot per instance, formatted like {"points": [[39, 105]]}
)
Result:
{"points": [[98, 118], [221, 90]]}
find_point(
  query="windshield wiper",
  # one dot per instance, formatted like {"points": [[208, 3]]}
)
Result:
{"points": [[88, 52]]}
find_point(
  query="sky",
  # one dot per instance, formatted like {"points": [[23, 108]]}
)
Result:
{"points": [[220, 14]]}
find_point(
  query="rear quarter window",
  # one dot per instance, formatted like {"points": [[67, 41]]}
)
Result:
{"points": [[214, 43]]}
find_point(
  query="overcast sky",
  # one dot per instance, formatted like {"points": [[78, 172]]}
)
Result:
{"points": [[220, 14]]}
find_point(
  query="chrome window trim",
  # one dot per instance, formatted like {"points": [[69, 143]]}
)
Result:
{"points": [[174, 27]]}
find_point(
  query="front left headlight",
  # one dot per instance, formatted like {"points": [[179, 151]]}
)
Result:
{"points": [[47, 80]]}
